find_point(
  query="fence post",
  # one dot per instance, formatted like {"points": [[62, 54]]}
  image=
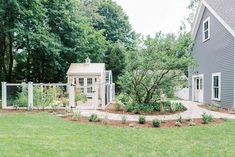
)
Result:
{"points": [[71, 95], [95, 101], [4, 95], [30, 95]]}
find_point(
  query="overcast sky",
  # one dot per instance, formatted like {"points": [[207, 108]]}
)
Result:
{"points": [[150, 16]]}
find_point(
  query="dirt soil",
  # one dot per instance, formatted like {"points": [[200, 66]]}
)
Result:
{"points": [[164, 124], [84, 120], [217, 109]]}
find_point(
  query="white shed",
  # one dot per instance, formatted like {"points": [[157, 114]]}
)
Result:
{"points": [[93, 84]]}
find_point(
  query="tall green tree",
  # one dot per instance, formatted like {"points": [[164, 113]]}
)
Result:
{"points": [[155, 65], [109, 17]]}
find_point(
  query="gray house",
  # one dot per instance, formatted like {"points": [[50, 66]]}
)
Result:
{"points": [[212, 80]]}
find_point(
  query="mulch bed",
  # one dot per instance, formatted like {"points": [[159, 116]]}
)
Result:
{"points": [[111, 109], [115, 123], [164, 124], [217, 109]]}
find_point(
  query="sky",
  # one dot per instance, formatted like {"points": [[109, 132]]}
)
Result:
{"points": [[150, 16]]}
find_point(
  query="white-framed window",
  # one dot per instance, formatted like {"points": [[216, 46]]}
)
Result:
{"points": [[206, 29], [216, 86]]}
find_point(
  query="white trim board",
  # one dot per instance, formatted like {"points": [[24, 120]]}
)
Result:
{"points": [[199, 15]]}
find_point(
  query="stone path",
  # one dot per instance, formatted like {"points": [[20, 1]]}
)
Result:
{"points": [[193, 111]]}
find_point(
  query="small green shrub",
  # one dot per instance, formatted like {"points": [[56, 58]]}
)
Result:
{"points": [[117, 106], [76, 115], [124, 118], [156, 122], [23, 96], [123, 98], [206, 118], [93, 118], [141, 119], [179, 119], [129, 108], [177, 123], [191, 122], [80, 97]]}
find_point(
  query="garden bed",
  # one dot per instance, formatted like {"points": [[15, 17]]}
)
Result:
{"points": [[148, 124], [216, 109], [111, 109]]}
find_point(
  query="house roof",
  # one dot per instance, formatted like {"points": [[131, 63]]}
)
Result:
{"points": [[223, 10], [86, 69]]}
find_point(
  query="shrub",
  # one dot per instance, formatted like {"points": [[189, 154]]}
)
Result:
{"points": [[191, 122], [124, 118], [179, 107], [177, 123], [156, 122], [179, 119], [137, 109], [129, 108], [117, 106], [206, 118], [55, 104], [80, 97], [23, 96], [93, 118], [76, 115], [141, 119], [123, 98]]}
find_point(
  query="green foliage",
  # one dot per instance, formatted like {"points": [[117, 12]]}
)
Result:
{"points": [[141, 119], [93, 118], [191, 122], [179, 118], [157, 64], [206, 118], [156, 122], [23, 97], [118, 106], [76, 115], [105, 120], [80, 97], [123, 98], [154, 107]]}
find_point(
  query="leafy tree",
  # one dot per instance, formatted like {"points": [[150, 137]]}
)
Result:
{"points": [[106, 15], [155, 65]]}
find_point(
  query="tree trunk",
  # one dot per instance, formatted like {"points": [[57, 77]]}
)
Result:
{"points": [[11, 58]]}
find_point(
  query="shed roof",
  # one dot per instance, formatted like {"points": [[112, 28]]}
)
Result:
{"points": [[86, 69]]}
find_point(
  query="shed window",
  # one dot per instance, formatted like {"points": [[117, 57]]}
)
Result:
{"points": [[206, 29], [216, 86]]}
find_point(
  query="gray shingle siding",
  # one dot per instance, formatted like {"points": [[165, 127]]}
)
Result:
{"points": [[215, 55]]}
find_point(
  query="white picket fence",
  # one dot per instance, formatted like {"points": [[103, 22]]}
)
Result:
{"points": [[182, 93], [108, 95]]}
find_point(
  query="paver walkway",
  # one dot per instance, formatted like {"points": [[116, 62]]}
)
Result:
{"points": [[193, 111]]}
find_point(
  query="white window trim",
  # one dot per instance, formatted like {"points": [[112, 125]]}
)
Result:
{"points": [[212, 86], [209, 29]]}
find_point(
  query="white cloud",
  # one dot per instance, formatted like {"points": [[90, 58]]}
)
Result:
{"points": [[151, 16]]}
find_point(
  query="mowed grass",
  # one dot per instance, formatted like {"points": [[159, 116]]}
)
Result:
{"points": [[44, 135]]}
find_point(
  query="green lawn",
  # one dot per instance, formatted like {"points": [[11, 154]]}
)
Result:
{"points": [[34, 135]]}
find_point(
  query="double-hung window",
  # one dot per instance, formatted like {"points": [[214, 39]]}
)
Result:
{"points": [[216, 86], [206, 29]]}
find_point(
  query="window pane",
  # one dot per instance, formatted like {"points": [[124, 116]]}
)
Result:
{"points": [[206, 26], [216, 81], [81, 81], [206, 35], [89, 90], [200, 83], [216, 93], [197, 84], [89, 81]]}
